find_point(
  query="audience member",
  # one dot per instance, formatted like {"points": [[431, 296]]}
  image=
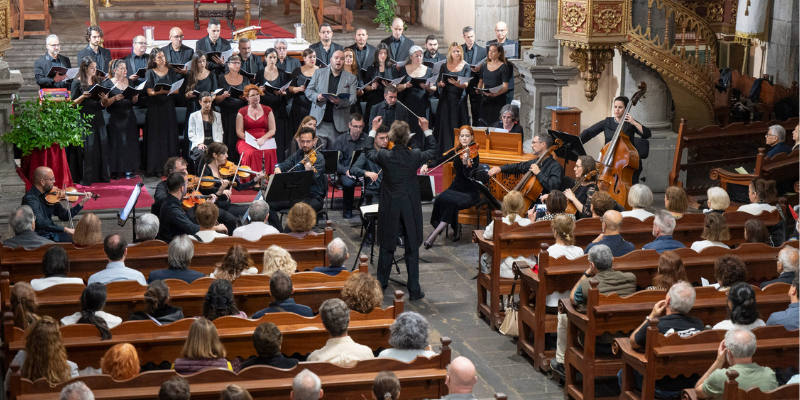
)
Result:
{"points": [[202, 350], [121, 362], [306, 386], [663, 226], [362, 293], [116, 248], [742, 309], [79, 391], [755, 231], [787, 266], [728, 270], [147, 227], [278, 259], [513, 211], [762, 194], [639, 197], [23, 223], [386, 386], [460, 379], [55, 267], [670, 271], [281, 289], [88, 231], [563, 227], [776, 140], [340, 349], [257, 227], [676, 201], [603, 202], [556, 203], [44, 355], [337, 255], [267, 340], [93, 299], [219, 301], [611, 224], [23, 305], [737, 349], [176, 388], [715, 232], [677, 305], [237, 262], [718, 200], [156, 308], [601, 261], [789, 317], [179, 253], [408, 338], [235, 392], [207, 215], [301, 220]]}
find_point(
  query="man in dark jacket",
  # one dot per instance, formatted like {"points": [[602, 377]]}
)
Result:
{"points": [[473, 54], [211, 43], [787, 266], [41, 67], [663, 226], [43, 182], [267, 340], [611, 225], [365, 52], [137, 59], [337, 256], [776, 140], [400, 202], [285, 63], [548, 172], [280, 287], [347, 145], [100, 55], [23, 223], [431, 53], [370, 171], [399, 44], [389, 112], [176, 52], [325, 48]]}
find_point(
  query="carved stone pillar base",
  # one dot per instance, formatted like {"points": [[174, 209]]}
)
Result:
{"points": [[11, 186]]}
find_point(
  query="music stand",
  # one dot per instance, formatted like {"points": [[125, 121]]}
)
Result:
{"points": [[571, 149], [287, 186], [130, 208], [246, 216]]}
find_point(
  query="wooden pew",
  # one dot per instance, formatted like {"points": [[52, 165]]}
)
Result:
{"points": [[715, 146], [673, 355], [781, 167], [156, 343], [561, 274], [514, 240], [420, 379], [613, 314], [309, 252], [732, 391], [251, 293]]}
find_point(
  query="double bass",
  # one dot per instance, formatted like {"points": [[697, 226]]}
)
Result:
{"points": [[619, 159], [528, 185]]}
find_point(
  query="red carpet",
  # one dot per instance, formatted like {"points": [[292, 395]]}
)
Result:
{"points": [[114, 195]]}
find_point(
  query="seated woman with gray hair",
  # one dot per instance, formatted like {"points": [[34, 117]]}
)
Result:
{"points": [[509, 119], [180, 253], [409, 338], [146, 228], [639, 197]]}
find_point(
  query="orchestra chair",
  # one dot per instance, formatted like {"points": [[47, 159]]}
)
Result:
{"points": [[229, 14]]}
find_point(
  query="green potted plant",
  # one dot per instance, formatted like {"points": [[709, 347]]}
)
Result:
{"points": [[386, 13], [41, 130]]}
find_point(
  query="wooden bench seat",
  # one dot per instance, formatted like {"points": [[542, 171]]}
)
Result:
{"points": [[781, 167], [420, 379], [732, 391], [25, 265], [561, 274], [672, 355]]}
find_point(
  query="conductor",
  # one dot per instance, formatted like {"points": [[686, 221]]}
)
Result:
{"points": [[400, 203]]}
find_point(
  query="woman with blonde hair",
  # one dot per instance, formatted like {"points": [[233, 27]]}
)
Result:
{"points": [[88, 231], [202, 350], [715, 232], [362, 293], [718, 200], [23, 305], [513, 210], [121, 362], [563, 231], [44, 355], [452, 109], [237, 262], [276, 258]]}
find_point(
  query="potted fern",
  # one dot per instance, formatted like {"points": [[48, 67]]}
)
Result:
{"points": [[386, 13]]}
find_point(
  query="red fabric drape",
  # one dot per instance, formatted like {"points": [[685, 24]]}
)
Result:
{"points": [[53, 157]]}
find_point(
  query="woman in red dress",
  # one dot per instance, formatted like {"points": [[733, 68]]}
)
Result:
{"points": [[257, 120]]}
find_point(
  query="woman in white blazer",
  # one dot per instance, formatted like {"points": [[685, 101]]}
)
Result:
{"points": [[205, 127]]}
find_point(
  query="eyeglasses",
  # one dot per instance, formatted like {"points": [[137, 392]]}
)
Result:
{"points": [[54, 45], [140, 43], [177, 37]]}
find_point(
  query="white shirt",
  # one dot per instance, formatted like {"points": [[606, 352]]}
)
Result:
{"points": [[249, 271], [342, 351], [756, 208], [728, 325], [254, 230], [702, 244], [207, 236], [44, 283], [556, 251], [489, 232], [406, 355], [639, 213], [111, 320]]}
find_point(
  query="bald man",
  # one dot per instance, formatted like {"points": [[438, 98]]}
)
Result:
{"points": [[333, 113], [612, 223], [399, 44], [501, 32], [176, 52], [460, 380], [43, 182]]}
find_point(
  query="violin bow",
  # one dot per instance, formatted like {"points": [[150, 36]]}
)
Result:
{"points": [[69, 208], [304, 158], [236, 173], [501, 185], [452, 157]]}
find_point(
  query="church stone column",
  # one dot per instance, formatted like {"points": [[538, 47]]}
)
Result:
{"points": [[489, 12], [655, 112], [10, 184], [546, 22]]}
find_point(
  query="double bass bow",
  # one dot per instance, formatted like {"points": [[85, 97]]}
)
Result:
{"points": [[619, 158], [528, 185]]}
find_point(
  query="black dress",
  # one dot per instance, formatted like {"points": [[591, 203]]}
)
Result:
{"points": [[123, 133], [229, 109], [376, 96], [356, 107], [283, 133], [418, 100], [161, 125], [460, 195], [227, 210], [204, 85], [301, 105], [90, 163], [491, 106], [584, 196], [452, 111], [516, 128]]}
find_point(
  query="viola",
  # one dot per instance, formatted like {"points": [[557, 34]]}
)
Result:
{"points": [[571, 209], [55, 196], [528, 185]]}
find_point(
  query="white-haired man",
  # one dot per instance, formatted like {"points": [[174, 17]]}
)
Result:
{"points": [[258, 227], [337, 255], [42, 66], [787, 266], [776, 140], [738, 349], [663, 226], [306, 386]]}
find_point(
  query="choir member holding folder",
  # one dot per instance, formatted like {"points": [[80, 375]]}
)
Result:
{"points": [[275, 85], [198, 80], [452, 110], [301, 105], [415, 92], [230, 101], [493, 85], [45, 78], [161, 122], [123, 132], [258, 121], [89, 164], [382, 67]]}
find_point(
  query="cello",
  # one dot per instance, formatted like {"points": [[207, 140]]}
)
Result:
{"points": [[619, 159], [528, 185]]}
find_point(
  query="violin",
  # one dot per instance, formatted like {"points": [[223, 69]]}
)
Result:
{"points": [[528, 185], [310, 157], [473, 148], [571, 209], [194, 198], [55, 196]]}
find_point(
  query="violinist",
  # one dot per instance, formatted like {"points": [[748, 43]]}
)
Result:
{"points": [[630, 128], [172, 219], [43, 182], [216, 157], [173, 164], [548, 172], [581, 195], [309, 159], [461, 194]]}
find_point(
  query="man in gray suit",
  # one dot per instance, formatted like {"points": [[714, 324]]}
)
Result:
{"points": [[333, 113]]}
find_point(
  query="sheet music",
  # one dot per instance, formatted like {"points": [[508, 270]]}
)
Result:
{"points": [[370, 209], [438, 66], [72, 72], [510, 51], [141, 86], [176, 87], [227, 54], [252, 141]]}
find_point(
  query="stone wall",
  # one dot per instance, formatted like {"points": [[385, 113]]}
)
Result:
{"points": [[782, 44]]}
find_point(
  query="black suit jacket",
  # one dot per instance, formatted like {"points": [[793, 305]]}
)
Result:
{"points": [[42, 66], [28, 240], [369, 57], [549, 175], [132, 69], [102, 57], [401, 114], [478, 54], [184, 54], [289, 64], [173, 220], [402, 50], [205, 45], [320, 51]]}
